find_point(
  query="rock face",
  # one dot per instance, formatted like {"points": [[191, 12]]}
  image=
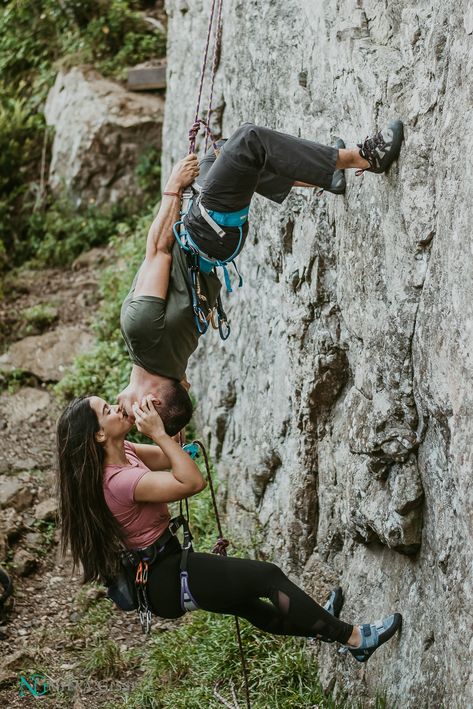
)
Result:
{"points": [[341, 421], [100, 132], [46, 356]]}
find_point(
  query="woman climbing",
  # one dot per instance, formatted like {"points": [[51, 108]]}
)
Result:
{"points": [[113, 493]]}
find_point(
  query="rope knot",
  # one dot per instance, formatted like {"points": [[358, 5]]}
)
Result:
{"points": [[193, 130], [221, 546]]}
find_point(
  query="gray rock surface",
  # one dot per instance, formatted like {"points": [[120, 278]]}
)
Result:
{"points": [[47, 356], [100, 132], [342, 419], [23, 404], [46, 510]]}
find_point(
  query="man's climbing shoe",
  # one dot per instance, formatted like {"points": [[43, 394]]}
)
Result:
{"points": [[374, 635], [381, 149], [338, 185]]}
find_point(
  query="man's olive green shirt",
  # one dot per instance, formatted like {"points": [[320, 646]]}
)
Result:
{"points": [[161, 334]]}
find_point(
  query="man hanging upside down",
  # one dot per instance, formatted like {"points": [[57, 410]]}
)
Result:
{"points": [[158, 320]]}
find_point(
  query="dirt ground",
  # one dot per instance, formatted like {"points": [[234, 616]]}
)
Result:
{"points": [[49, 621]]}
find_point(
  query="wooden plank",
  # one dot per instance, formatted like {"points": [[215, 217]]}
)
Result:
{"points": [[147, 79]]}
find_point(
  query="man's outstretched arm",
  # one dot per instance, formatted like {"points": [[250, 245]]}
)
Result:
{"points": [[154, 273]]}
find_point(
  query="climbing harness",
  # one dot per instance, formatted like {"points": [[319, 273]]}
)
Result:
{"points": [[199, 262]]}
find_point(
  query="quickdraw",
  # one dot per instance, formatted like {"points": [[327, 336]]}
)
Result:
{"points": [[141, 581]]}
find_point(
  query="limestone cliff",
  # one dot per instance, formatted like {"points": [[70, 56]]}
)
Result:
{"points": [[339, 411]]}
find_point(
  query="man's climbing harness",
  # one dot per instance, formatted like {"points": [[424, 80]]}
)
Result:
{"points": [[199, 262]]}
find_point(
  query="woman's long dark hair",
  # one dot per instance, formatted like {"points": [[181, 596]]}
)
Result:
{"points": [[87, 525]]}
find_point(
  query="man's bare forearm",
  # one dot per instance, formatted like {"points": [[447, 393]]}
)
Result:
{"points": [[160, 234]]}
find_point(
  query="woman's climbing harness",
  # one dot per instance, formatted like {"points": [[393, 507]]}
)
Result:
{"points": [[129, 589]]}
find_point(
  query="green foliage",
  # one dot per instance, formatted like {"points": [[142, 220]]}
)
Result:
{"points": [[103, 659], [59, 234], [17, 378], [184, 666], [47, 530], [21, 136], [39, 317], [36, 36], [148, 172]]}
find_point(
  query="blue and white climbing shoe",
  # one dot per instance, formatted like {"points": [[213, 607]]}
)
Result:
{"points": [[338, 185], [333, 605], [381, 149], [373, 635], [334, 602]]}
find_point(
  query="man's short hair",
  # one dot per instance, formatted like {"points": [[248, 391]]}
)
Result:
{"points": [[175, 408]]}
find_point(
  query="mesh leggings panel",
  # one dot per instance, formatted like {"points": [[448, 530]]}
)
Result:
{"points": [[237, 587]]}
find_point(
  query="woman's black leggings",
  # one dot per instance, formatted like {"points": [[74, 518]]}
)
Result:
{"points": [[255, 590]]}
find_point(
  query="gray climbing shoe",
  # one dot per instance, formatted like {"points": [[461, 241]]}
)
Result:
{"points": [[381, 149], [334, 602], [339, 184], [333, 605], [373, 635]]}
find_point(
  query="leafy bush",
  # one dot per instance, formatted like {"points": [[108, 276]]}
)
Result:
{"points": [[38, 317], [36, 36], [60, 233], [21, 137]]}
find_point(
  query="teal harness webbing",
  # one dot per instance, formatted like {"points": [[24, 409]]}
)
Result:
{"points": [[198, 261]]}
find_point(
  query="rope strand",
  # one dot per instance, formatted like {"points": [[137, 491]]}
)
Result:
{"points": [[215, 60], [192, 135], [222, 545]]}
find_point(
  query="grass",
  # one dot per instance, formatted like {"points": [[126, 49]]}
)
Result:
{"points": [[39, 317], [38, 38], [104, 659], [185, 666]]}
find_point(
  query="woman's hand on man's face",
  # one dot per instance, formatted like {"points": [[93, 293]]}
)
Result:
{"points": [[147, 419]]}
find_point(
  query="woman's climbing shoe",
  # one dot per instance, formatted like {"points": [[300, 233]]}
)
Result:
{"points": [[381, 149], [333, 605], [374, 635], [334, 602], [338, 185]]}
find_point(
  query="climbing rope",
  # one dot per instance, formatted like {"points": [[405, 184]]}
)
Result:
{"points": [[198, 122], [221, 549]]}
